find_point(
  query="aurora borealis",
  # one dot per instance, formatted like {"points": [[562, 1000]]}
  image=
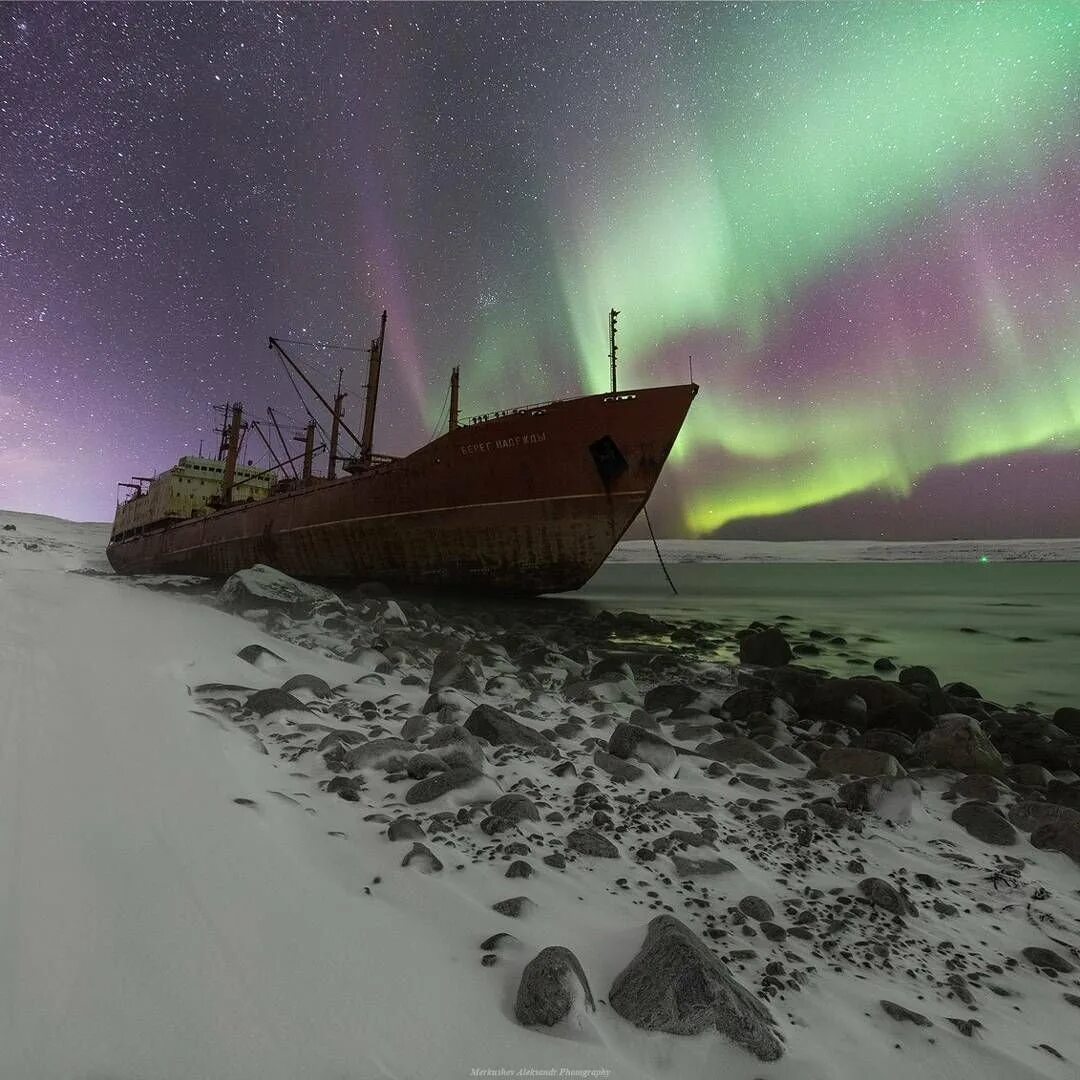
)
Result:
{"points": [[861, 220]]}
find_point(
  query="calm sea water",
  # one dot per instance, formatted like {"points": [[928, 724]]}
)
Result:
{"points": [[922, 612]]}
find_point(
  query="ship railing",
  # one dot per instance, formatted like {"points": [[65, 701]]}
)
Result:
{"points": [[539, 408]]}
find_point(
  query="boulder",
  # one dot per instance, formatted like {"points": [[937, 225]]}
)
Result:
{"points": [[516, 807], [1047, 958], [456, 747], [616, 768], [500, 728], [405, 828], [1068, 719], [882, 894], [312, 683], [455, 671], [686, 867], [1060, 835], [959, 742], [264, 588], [857, 761], [439, 784], [267, 702], [552, 984], [670, 696], [985, 822], [421, 857], [590, 842], [738, 750], [514, 907], [766, 648], [676, 985], [628, 741], [1030, 815], [389, 753]]}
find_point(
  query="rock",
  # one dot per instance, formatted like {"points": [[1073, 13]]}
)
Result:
{"points": [[694, 868], [1068, 719], [1061, 835], [552, 983], [682, 802], [979, 786], [346, 787], [1029, 815], [515, 907], [959, 742], [1029, 775], [519, 868], [261, 587], [670, 696], [767, 648], [905, 717], [455, 747], [898, 1012], [985, 822], [439, 784], [266, 702], [888, 742], [628, 741], [422, 858], [756, 908], [675, 984], [405, 828], [1047, 958], [500, 728], [738, 750], [319, 687], [389, 753], [892, 798], [616, 768], [455, 671], [857, 761], [261, 658], [882, 894], [421, 765], [590, 842], [918, 676], [515, 807]]}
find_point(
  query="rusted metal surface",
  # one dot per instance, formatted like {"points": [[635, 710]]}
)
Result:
{"points": [[531, 502]]}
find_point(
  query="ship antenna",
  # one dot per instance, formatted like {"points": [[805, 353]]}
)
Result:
{"points": [[612, 328]]}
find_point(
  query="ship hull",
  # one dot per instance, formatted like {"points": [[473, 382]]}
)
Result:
{"points": [[531, 501]]}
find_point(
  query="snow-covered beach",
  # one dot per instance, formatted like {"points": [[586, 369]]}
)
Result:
{"points": [[198, 790]]}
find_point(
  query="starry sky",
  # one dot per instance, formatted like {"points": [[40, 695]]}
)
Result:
{"points": [[861, 221]]}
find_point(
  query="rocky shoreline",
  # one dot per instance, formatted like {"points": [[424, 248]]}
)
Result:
{"points": [[773, 825]]}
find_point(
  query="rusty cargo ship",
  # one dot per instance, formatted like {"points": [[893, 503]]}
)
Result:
{"points": [[531, 500]]}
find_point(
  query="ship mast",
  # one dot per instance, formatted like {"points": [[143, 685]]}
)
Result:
{"points": [[335, 427], [374, 369], [233, 450], [455, 378], [612, 316], [309, 451]]}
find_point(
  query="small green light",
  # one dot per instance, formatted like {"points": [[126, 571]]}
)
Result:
{"points": [[984, 558]]}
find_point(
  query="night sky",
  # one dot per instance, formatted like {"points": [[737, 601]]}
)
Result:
{"points": [[861, 220]]}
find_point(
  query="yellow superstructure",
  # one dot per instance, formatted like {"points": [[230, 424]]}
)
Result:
{"points": [[185, 491]]}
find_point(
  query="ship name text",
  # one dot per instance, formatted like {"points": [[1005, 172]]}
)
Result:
{"points": [[509, 443]]}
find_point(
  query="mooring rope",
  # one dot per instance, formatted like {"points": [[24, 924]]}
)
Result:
{"points": [[658, 555]]}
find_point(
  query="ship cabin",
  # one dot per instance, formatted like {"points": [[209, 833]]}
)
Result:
{"points": [[192, 488]]}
